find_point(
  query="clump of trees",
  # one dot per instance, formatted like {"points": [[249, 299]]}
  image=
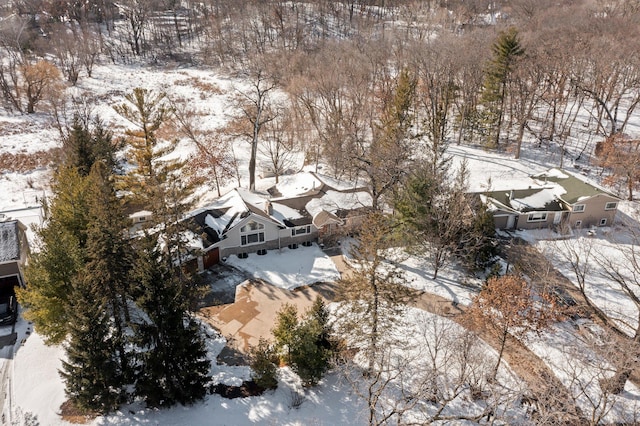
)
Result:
{"points": [[621, 156], [439, 217], [121, 305], [304, 344]]}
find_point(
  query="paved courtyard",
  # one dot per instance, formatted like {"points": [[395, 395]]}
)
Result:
{"points": [[253, 313]]}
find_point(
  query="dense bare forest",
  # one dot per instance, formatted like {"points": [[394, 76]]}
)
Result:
{"points": [[572, 80]]}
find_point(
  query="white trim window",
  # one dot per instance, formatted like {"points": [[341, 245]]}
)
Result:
{"points": [[251, 233], [578, 208], [537, 217], [301, 230], [611, 206], [603, 221]]}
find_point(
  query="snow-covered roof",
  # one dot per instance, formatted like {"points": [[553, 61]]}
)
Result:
{"points": [[311, 201], [282, 212], [333, 201], [9, 241], [297, 185], [220, 215], [575, 188], [546, 191], [339, 184], [141, 213], [527, 200], [542, 199]]}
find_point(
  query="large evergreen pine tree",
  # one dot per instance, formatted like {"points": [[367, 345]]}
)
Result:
{"points": [[92, 372], [506, 50], [63, 239], [50, 270], [109, 254], [147, 112], [88, 143], [173, 366], [386, 160]]}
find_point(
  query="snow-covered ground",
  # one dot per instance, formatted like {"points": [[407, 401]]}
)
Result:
{"points": [[451, 283], [39, 392], [573, 358], [37, 388], [287, 268], [597, 258]]}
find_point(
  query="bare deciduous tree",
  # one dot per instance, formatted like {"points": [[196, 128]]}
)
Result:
{"points": [[507, 303], [621, 156], [374, 292], [255, 109], [279, 144], [213, 159]]}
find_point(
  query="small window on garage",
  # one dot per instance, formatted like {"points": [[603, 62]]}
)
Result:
{"points": [[603, 221], [578, 223]]}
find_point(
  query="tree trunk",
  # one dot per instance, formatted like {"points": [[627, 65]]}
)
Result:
{"points": [[520, 137], [503, 342], [374, 325]]}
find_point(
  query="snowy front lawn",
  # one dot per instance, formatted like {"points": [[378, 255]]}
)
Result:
{"points": [[288, 269]]}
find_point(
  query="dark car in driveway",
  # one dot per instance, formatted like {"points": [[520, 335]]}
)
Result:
{"points": [[8, 306]]}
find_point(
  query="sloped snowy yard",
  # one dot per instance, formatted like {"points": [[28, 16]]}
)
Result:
{"points": [[596, 255], [580, 368], [39, 392]]}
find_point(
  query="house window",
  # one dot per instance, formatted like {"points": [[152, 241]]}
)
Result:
{"points": [[603, 221], [301, 230], [610, 206], [251, 226], [256, 237], [142, 219], [578, 223], [252, 233], [578, 208], [537, 217]]}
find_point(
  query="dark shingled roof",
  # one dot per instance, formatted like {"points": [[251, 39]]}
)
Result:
{"points": [[212, 236]]}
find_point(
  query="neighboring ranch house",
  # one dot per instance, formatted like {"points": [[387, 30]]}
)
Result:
{"points": [[14, 250], [303, 208], [555, 198]]}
